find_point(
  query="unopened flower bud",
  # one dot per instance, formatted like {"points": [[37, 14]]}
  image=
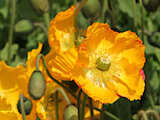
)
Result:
{"points": [[23, 26], [27, 105], [92, 9], [151, 5], [37, 85], [71, 113], [40, 6]]}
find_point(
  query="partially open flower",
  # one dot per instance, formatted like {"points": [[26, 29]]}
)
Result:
{"points": [[109, 64]]}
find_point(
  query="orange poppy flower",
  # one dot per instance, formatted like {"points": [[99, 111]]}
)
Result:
{"points": [[61, 39], [109, 64]]}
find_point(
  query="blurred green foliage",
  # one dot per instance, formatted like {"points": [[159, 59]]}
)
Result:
{"points": [[122, 11]]}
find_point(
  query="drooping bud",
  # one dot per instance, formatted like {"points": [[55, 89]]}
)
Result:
{"points": [[103, 63], [92, 9], [23, 26], [27, 105], [40, 6], [71, 113], [37, 85], [151, 5]]}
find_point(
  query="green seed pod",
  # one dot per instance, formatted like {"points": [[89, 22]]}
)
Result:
{"points": [[23, 26], [27, 105], [71, 113], [40, 6], [151, 5], [37, 85], [92, 9]]}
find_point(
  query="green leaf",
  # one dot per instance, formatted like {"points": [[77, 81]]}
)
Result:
{"points": [[4, 52]]}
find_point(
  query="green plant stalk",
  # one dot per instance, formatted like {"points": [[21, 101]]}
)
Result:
{"points": [[41, 25], [153, 113], [56, 105], [108, 114], [91, 107], [56, 81], [12, 22], [102, 112], [46, 19], [79, 104], [142, 114], [75, 17], [64, 95], [135, 16], [105, 4], [83, 107], [142, 23], [22, 108], [112, 13]]}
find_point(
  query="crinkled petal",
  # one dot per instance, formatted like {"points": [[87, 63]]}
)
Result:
{"points": [[61, 31], [96, 92], [62, 66]]}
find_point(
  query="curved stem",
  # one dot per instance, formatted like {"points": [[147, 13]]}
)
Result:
{"points": [[64, 95], [135, 16], [46, 19], [12, 22], [75, 17], [56, 105], [142, 24], [83, 107], [41, 25], [142, 114], [108, 114], [45, 65], [22, 107], [79, 104], [153, 113]]}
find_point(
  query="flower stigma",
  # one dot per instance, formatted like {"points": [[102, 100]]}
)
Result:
{"points": [[103, 63]]}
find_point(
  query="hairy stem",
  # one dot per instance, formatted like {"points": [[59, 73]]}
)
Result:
{"points": [[12, 22]]}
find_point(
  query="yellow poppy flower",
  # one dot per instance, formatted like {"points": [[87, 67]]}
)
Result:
{"points": [[109, 64], [61, 39], [13, 82]]}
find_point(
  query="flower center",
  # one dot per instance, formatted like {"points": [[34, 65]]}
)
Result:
{"points": [[103, 63]]}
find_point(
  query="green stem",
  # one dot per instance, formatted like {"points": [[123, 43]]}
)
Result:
{"points": [[103, 11], [64, 95], [142, 114], [142, 24], [22, 107], [108, 114], [56, 105], [79, 104], [102, 112], [12, 22], [75, 17], [56, 81], [41, 25], [83, 107], [135, 16], [91, 107], [112, 13], [153, 113], [46, 19]]}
